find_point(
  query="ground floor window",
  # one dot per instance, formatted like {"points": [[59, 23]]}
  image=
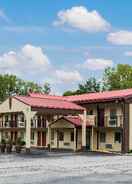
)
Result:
{"points": [[32, 135], [117, 137], [22, 135], [102, 137], [72, 136]]}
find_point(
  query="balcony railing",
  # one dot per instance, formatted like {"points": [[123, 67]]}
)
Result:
{"points": [[117, 121], [91, 120], [38, 124], [12, 124]]}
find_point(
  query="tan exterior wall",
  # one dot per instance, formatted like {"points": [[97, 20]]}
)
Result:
{"points": [[109, 140], [17, 106], [130, 126]]}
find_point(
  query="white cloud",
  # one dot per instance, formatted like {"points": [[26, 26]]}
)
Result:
{"points": [[68, 76], [97, 63], [80, 17], [120, 37], [128, 53], [29, 59], [4, 16]]}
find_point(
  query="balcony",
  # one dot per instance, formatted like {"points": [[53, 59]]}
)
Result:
{"points": [[91, 120], [12, 124], [117, 121], [38, 123]]}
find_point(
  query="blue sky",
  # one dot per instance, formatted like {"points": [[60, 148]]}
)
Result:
{"points": [[64, 42]]}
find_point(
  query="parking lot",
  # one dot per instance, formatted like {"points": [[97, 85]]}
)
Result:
{"points": [[59, 168]]}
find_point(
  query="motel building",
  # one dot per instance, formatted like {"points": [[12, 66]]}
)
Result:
{"points": [[93, 121]]}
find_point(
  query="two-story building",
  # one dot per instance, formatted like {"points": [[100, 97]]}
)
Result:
{"points": [[93, 121]]}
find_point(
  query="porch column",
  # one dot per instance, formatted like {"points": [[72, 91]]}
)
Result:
{"points": [[92, 137], [28, 130], [84, 131], [75, 139], [28, 116], [49, 137]]}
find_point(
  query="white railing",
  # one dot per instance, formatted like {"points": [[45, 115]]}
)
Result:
{"points": [[91, 120]]}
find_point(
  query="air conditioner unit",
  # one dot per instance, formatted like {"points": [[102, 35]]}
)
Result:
{"points": [[21, 124]]}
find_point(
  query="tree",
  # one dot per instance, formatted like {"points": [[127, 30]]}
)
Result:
{"points": [[119, 77], [11, 85], [7, 86], [91, 85], [46, 88]]}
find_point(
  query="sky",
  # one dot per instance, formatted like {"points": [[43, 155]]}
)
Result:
{"points": [[64, 42]]}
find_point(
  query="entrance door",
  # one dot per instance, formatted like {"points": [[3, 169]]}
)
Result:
{"points": [[39, 139], [88, 139], [101, 117], [43, 139]]}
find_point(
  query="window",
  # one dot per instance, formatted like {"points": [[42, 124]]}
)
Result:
{"points": [[90, 112], [6, 118], [72, 136], [102, 137], [32, 135], [118, 137], [21, 117], [52, 134], [113, 114], [22, 135], [61, 136]]}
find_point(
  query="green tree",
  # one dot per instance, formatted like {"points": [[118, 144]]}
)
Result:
{"points": [[46, 88], [11, 85], [91, 85], [119, 77]]}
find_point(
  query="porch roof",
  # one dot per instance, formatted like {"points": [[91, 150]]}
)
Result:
{"points": [[75, 120], [48, 103], [101, 96]]}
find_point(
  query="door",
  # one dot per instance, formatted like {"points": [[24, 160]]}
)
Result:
{"points": [[39, 139], [43, 139], [15, 137], [88, 139], [101, 117]]}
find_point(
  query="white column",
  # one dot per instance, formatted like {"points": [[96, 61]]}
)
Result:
{"points": [[28, 130], [84, 130], [92, 136], [49, 137], [74, 139], [28, 116]]}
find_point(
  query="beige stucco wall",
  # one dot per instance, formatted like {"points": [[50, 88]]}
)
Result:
{"points": [[130, 126], [109, 140], [17, 106]]}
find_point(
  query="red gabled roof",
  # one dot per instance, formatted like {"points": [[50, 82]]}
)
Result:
{"points": [[101, 96], [75, 120], [49, 103]]}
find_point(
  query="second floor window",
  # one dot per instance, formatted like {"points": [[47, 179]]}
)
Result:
{"points": [[113, 114], [102, 137], [6, 118]]}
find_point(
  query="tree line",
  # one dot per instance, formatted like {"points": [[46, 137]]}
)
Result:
{"points": [[12, 85], [119, 77], [114, 78]]}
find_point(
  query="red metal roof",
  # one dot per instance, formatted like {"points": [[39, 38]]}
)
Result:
{"points": [[49, 103], [101, 96], [75, 120], [41, 95]]}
